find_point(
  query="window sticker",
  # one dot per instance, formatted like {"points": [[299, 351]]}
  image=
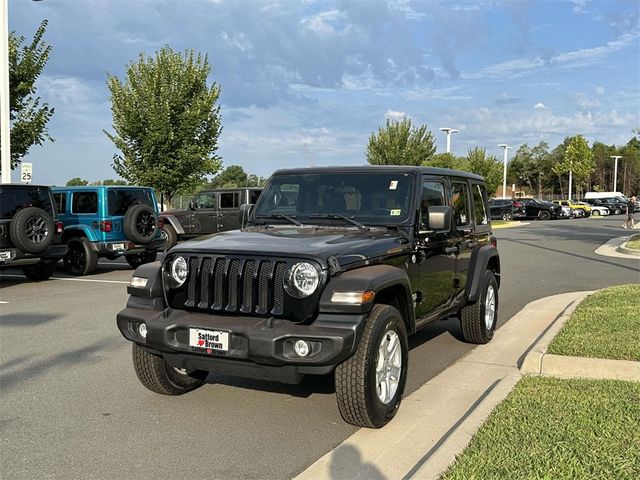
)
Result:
{"points": [[393, 185], [396, 212]]}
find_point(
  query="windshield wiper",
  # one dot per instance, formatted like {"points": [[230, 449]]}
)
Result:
{"points": [[341, 217], [280, 215]]}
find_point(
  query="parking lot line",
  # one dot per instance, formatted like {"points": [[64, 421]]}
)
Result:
{"points": [[70, 279]]}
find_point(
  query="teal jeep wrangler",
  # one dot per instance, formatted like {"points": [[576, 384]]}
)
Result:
{"points": [[108, 222]]}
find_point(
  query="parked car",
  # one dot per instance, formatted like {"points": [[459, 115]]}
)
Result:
{"points": [[332, 280], [506, 209], [597, 210], [30, 232], [210, 211], [615, 205], [540, 209], [580, 209], [108, 221], [566, 212]]}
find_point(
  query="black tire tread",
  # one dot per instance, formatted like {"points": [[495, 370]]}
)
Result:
{"points": [[471, 316], [39, 271], [151, 370], [172, 236]]}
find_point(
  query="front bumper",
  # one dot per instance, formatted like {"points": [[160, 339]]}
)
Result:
{"points": [[15, 257], [125, 247], [258, 347]]}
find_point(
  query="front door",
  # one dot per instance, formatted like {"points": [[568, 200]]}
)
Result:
{"points": [[433, 264], [204, 219]]}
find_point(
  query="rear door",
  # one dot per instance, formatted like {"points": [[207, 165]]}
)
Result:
{"points": [[463, 238], [205, 215], [228, 210]]}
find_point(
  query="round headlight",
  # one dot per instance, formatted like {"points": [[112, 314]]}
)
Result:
{"points": [[178, 271], [302, 280]]}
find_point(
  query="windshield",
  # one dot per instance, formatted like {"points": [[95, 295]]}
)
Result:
{"points": [[13, 199], [370, 198], [120, 199]]}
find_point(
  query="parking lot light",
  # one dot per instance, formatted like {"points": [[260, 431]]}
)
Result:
{"points": [[615, 172], [448, 131], [504, 173]]}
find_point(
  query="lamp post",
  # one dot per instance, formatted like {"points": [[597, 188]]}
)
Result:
{"points": [[615, 172], [449, 131], [504, 172], [5, 135]]}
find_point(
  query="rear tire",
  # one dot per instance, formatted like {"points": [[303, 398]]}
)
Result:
{"points": [[80, 259], [138, 259], [364, 378], [160, 377], [170, 235], [479, 320], [39, 271], [595, 213]]}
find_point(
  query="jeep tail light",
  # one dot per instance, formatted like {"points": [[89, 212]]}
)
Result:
{"points": [[494, 242], [106, 226], [59, 227], [518, 204]]}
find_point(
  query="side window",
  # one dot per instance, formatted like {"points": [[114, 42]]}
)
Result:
{"points": [[460, 201], [230, 200], [432, 196], [84, 202], [206, 200], [478, 205], [61, 202]]}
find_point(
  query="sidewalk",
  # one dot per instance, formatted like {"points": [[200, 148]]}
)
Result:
{"points": [[436, 422]]}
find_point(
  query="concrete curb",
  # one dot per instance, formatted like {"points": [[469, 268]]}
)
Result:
{"points": [[628, 251], [610, 249], [513, 225]]}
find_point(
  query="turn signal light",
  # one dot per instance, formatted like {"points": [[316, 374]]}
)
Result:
{"points": [[353, 298]]}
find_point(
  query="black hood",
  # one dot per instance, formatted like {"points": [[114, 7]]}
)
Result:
{"points": [[347, 245]]}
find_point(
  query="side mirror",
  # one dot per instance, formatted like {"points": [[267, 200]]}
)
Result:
{"points": [[440, 218], [244, 212], [192, 205]]}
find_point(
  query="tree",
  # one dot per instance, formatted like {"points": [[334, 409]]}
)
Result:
{"points": [[77, 182], [166, 121], [29, 116], [109, 182], [444, 160], [577, 159], [398, 143], [231, 177], [533, 165], [477, 161]]}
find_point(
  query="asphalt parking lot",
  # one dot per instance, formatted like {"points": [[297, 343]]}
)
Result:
{"points": [[71, 406]]}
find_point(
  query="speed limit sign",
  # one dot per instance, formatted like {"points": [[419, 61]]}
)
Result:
{"points": [[26, 171]]}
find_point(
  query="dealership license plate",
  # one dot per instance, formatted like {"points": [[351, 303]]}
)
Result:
{"points": [[209, 339], [6, 255], [118, 246]]}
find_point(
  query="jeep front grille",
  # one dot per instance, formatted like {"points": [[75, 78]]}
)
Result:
{"points": [[245, 285]]}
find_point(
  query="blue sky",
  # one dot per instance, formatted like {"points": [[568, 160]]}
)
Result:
{"points": [[307, 82]]}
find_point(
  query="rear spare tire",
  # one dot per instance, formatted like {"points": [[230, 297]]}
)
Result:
{"points": [[32, 230], [140, 223]]}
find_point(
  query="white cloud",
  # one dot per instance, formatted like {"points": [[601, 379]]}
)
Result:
{"points": [[238, 40], [325, 24], [585, 102], [394, 115], [539, 106], [600, 90]]}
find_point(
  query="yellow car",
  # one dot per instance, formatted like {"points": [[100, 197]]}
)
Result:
{"points": [[580, 208]]}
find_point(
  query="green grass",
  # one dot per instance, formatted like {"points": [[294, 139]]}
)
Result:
{"points": [[634, 242], [605, 325], [549, 428]]}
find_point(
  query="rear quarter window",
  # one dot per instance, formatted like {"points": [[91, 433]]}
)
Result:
{"points": [[84, 202]]}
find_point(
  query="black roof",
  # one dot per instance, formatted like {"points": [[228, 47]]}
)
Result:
{"points": [[378, 168]]}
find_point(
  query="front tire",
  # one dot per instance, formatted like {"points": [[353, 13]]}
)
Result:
{"points": [[507, 216], [479, 320], [39, 271], [170, 235], [596, 213], [544, 215], [370, 384], [138, 259], [80, 259], [160, 377]]}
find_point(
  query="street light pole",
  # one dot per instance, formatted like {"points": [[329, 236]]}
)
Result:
{"points": [[615, 172], [449, 131], [5, 127], [504, 172]]}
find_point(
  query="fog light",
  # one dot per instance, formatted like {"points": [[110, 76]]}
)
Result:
{"points": [[142, 330], [302, 348]]}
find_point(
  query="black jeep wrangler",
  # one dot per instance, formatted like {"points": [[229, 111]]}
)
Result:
{"points": [[336, 268], [30, 233]]}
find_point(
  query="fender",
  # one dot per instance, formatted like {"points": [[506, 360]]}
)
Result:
{"points": [[376, 278], [480, 258], [80, 230], [174, 222]]}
